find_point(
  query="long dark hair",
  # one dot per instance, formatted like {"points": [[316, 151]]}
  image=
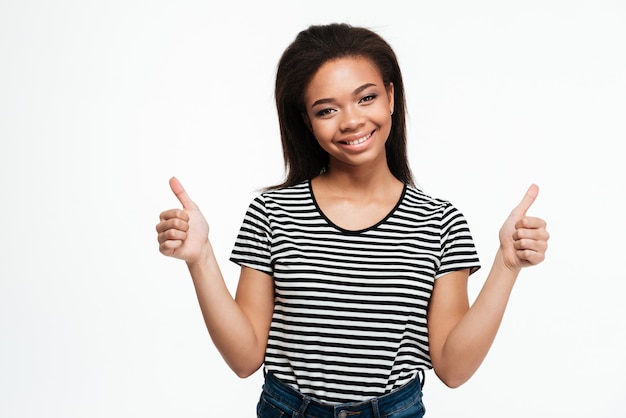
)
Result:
{"points": [[303, 156]]}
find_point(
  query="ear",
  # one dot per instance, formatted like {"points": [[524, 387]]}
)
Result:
{"points": [[390, 97]]}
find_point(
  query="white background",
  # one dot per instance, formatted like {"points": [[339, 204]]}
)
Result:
{"points": [[102, 102]]}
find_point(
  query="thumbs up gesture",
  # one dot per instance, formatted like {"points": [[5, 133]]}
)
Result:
{"points": [[182, 233], [523, 239]]}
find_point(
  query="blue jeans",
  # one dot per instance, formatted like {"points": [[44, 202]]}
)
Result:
{"points": [[280, 400]]}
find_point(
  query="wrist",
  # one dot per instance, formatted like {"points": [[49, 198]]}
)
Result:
{"points": [[501, 265], [203, 258]]}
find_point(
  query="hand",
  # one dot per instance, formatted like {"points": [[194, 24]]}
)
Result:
{"points": [[523, 239], [182, 233]]}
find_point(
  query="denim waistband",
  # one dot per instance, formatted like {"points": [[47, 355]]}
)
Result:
{"points": [[305, 406]]}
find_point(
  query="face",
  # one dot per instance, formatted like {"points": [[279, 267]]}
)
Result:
{"points": [[348, 109]]}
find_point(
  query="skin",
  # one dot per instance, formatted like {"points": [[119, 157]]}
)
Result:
{"points": [[348, 109]]}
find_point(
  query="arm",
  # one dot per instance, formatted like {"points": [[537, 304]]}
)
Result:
{"points": [[459, 335], [239, 326]]}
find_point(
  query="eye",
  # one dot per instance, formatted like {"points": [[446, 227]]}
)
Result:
{"points": [[368, 98], [324, 112]]}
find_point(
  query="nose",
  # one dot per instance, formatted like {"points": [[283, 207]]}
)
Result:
{"points": [[351, 118]]}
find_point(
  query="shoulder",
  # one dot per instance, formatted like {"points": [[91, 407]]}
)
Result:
{"points": [[284, 197], [416, 197], [301, 189], [416, 201]]}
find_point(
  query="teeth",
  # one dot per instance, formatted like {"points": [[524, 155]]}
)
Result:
{"points": [[359, 141]]}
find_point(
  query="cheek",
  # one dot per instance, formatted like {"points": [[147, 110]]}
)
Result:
{"points": [[382, 117], [323, 130], [386, 127]]}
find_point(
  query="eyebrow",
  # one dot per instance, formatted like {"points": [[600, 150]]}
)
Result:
{"points": [[330, 100]]}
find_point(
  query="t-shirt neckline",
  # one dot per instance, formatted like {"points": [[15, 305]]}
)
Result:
{"points": [[355, 231]]}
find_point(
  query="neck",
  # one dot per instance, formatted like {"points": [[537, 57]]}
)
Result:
{"points": [[358, 182]]}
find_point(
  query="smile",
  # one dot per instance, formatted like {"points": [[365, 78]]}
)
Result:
{"points": [[358, 141]]}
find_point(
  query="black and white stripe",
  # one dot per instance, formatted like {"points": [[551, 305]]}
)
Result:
{"points": [[350, 306]]}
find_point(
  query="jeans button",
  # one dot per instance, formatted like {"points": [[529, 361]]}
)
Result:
{"points": [[342, 414]]}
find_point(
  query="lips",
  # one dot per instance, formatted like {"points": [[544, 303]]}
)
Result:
{"points": [[358, 141]]}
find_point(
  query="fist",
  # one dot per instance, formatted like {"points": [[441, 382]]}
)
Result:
{"points": [[182, 233], [524, 239]]}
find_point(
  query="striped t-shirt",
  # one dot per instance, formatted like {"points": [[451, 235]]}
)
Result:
{"points": [[349, 319]]}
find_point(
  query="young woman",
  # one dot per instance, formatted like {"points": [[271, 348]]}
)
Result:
{"points": [[353, 281]]}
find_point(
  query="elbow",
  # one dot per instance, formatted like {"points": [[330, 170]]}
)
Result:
{"points": [[453, 383], [244, 362], [453, 370], [245, 372], [452, 379]]}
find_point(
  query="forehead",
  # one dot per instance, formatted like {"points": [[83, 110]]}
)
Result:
{"points": [[344, 73]]}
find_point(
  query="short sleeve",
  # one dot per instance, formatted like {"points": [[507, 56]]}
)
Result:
{"points": [[253, 244], [458, 251]]}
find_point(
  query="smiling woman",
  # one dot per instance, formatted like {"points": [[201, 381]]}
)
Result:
{"points": [[349, 108], [353, 281]]}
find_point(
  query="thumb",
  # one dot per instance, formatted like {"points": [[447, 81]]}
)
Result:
{"points": [[527, 201], [181, 194]]}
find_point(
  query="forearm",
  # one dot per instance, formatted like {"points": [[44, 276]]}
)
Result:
{"points": [[470, 340], [460, 336], [229, 328]]}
